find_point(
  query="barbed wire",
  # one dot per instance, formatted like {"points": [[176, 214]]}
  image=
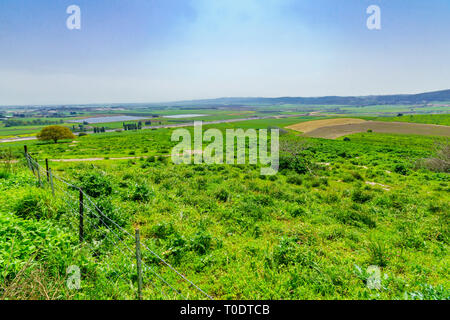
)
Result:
{"points": [[92, 208]]}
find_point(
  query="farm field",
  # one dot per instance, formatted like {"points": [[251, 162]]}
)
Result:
{"points": [[309, 126], [440, 119], [309, 232], [335, 128], [26, 124]]}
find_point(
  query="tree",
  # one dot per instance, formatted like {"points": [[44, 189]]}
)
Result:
{"points": [[55, 133]]}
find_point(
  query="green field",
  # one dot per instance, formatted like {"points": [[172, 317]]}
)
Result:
{"points": [[309, 232], [157, 114], [441, 119]]}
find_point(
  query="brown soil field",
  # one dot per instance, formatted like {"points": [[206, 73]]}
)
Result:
{"points": [[309, 126], [336, 131]]}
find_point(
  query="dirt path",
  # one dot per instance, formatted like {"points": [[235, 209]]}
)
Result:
{"points": [[17, 139], [93, 159], [118, 158]]}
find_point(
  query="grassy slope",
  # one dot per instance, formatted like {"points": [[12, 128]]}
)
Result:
{"points": [[242, 236]]}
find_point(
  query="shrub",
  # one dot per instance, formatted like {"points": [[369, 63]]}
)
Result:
{"points": [[107, 208], [355, 218], [82, 134], [440, 162], [400, 169], [346, 139], [294, 179], [4, 174], [360, 196], [297, 212], [222, 195], [96, 184], [201, 242], [163, 230], [378, 254], [141, 192], [35, 206], [151, 159], [356, 175], [293, 156], [298, 164], [285, 253]]}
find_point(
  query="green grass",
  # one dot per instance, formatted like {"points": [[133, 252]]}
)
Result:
{"points": [[235, 233], [441, 119]]}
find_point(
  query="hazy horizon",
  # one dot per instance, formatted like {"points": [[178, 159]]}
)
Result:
{"points": [[159, 51], [200, 99]]}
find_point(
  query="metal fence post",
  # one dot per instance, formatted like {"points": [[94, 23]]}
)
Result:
{"points": [[81, 216], [46, 168], [139, 263], [51, 181], [28, 159], [39, 175]]}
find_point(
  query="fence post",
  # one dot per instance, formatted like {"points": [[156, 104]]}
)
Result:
{"points": [[139, 263], [27, 157], [46, 168], [51, 181], [81, 216], [39, 175]]}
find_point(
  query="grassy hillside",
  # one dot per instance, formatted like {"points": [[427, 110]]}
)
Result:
{"points": [[310, 232]]}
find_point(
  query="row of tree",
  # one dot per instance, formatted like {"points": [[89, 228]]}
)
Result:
{"points": [[99, 130], [132, 126], [79, 128]]}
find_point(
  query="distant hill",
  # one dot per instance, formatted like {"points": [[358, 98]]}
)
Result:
{"points": [[421, 98]]}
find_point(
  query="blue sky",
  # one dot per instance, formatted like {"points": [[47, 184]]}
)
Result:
{"points": [[167, 50]]}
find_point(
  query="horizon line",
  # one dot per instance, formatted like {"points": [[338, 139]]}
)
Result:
{"points": [[219, 98]]}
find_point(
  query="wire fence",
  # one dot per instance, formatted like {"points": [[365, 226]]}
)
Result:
{"points": [[127, 262]]}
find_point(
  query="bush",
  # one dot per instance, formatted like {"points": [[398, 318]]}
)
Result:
{"points": [[378, 254], [4, 174], [96, 184], [222, 195], [82, 134], [298, 164], [141, 192], [400, 169], [201, 242], [151, 159], [294, 179], [35, 205], [285, 253], [355, 218], [163, 230], [297, 212], [106, 206], [360, 196], [440, 162], [356, 175]]}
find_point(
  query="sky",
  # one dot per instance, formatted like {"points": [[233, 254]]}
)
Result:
{"points": [[169, 50]]}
